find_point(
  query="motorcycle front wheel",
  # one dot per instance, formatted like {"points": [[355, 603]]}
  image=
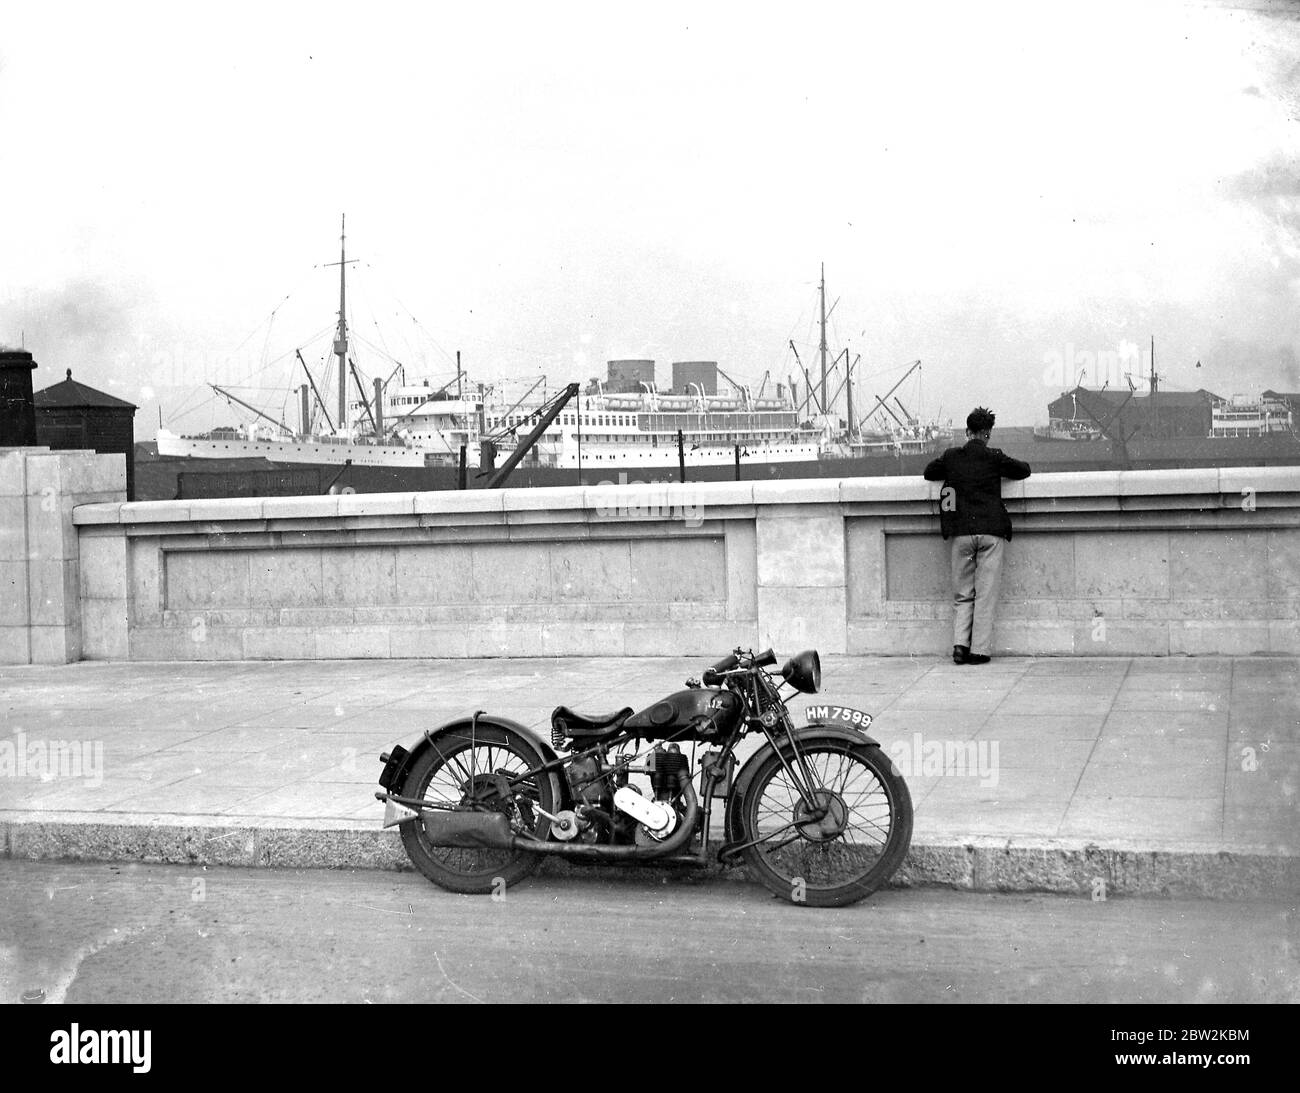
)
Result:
{"points": [[847, 845], [459, 770]]}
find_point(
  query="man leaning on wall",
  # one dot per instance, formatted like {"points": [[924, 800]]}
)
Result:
{"points": [[972, 515]]}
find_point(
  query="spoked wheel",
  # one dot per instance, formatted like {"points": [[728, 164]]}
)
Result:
{"points": [[465, 769], [842, 845]]}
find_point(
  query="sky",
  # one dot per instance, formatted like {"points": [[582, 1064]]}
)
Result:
{"points": [[1014, 194]]}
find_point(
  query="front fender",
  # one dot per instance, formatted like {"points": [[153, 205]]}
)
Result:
{"points": [[401, 757], [814, 731]]}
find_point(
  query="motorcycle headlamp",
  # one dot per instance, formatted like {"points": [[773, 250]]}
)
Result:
{"points": [[803, 671]]}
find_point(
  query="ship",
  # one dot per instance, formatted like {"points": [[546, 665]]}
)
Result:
{"points": [[396, 435]]}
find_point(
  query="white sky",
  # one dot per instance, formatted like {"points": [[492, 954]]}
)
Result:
{"points": [[547, 186]]}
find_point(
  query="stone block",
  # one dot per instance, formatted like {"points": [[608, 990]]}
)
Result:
{"points": [[300, 508], [97, 473], [1037, 566], [1231, 565], [45, 472], [510, 573], [547, 498], [359, 575], [185, 643], [801, 618], [15, 641], [1223, 638], [800, 492], [104, 630], [865, 565], [351, 643], [103, 567], [14, 603], [1122, 638], [438, 502], [684, 570], [145, 565], [97, 514], [898, 638], [13, 528], [495, 638], [1122, 564], [427, 642], [279, 643], [1183, 481], [427, 574], [154, 512], [708, 639], [316, 616], [275, 578], [1031, 638], [12, 473], [741, 546], [1283, 566], [376, 504], [590, 572], [53, 590], [578, 639], [801, 552], [887, 488], [196, 580], [1064, 485], [918, 567], [1284, 636], [56, 644]]}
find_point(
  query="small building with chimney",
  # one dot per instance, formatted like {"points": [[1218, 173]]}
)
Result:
{"points": [[70, 415]]}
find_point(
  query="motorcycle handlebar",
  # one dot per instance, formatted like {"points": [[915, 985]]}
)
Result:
{"points": [[726, 663], [712, 677]]}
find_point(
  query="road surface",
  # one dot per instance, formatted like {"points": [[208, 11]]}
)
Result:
{"points": [[130, 933]]}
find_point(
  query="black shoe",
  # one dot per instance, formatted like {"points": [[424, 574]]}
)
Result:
{"points": [[977, 658], [960, 653]]}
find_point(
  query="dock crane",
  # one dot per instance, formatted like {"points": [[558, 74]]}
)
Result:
{"points": [[547, 413]]}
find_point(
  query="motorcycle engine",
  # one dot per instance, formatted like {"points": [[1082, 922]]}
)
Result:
{"points": [[656, 818], [609, 809]]}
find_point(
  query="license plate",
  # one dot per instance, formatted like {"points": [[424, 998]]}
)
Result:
{"points": [[842, 715]]}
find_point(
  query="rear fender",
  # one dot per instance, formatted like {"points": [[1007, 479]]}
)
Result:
{"points": [[806, 734], [402, 757]]}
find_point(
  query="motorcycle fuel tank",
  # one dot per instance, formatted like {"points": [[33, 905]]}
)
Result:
{"points": [[698, 714]]}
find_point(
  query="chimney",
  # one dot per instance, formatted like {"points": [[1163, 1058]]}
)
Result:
{"points": [[17, 409]]}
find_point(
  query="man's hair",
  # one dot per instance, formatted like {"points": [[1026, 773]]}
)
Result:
{"points": [[979, 420]]}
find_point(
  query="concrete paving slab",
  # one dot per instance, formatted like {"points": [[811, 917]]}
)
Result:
{"points": [[1111, 767]]}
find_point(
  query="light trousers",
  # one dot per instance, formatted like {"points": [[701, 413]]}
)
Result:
{"points": [[976, 575]]}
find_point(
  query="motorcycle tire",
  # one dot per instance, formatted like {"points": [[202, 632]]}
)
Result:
{"points": [[445, 773], [846, 855]]}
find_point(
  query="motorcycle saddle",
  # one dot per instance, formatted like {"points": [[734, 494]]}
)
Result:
{"points": [[576, 725]]}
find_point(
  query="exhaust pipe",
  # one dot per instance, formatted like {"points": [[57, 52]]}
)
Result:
{"points": [[491, 831], [586, 852]]}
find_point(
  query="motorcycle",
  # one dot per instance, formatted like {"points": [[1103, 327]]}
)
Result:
{"points": [[818, 813]]}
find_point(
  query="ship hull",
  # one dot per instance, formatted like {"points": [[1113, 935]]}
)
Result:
{"points": [[164, 478]]}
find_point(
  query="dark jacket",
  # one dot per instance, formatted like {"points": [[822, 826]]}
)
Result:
{"points": [[974, 473]]}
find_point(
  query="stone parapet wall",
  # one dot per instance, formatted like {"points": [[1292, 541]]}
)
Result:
{"points": [[40, 573], [1150, 562]]}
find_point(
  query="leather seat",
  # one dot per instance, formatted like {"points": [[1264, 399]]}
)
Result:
{"points": [[578, 726]]}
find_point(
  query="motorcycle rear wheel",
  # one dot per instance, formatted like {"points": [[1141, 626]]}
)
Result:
{"points": [[847, 853], [457, 770]]}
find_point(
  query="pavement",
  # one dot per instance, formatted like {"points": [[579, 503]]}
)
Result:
{"points": [[1096, 776]]}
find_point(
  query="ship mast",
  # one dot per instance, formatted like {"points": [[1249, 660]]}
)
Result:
{"points": [[821, 399], [341, 333]]}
